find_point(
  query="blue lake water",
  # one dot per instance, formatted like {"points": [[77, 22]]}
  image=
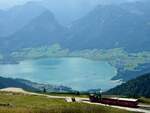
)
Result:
{"points": [[78, 73]]}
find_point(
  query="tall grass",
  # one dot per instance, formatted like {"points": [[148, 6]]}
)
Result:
{"points": [[144, 100], [37, 104]]}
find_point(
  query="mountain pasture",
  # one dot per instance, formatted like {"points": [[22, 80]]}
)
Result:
{"points": [[21, 103]]}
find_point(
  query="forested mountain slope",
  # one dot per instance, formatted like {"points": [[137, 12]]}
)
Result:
{"points": [[135, 87]]}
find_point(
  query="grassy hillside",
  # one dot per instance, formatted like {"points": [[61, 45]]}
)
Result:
{"points": [[37, 104], [136, 87], [113, 56], [144, 100]]}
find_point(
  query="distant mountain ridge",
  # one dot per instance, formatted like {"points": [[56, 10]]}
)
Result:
{"points": [[31, 86], [42, 30], [112, 26], [107, 26], [9, 82]]}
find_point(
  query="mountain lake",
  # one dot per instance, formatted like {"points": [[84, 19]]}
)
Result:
{"points": [[77, 73]]}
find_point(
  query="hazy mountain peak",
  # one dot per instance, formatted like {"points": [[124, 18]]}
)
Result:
{"points": [[15, 18], [47, 16], [43, 29], [46, 20]]}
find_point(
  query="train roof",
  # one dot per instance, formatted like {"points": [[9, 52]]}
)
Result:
{"points": [[125, 99]]}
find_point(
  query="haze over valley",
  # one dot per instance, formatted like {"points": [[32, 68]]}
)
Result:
{"points": [[50, 36]]}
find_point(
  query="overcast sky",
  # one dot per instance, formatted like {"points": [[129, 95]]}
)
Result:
{"points": [[9, 3]]}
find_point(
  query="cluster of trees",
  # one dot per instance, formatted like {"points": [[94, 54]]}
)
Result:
{"points": [[135, 87]]}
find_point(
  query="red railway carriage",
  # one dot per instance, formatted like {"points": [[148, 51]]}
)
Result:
{"points": [[115, 101], [120, 102]]}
